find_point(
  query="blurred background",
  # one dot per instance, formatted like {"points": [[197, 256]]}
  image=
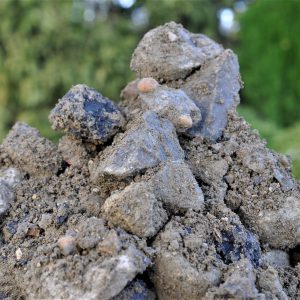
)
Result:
{"points": [[46, 46]]}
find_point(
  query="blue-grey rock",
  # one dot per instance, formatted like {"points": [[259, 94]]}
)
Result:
{"points": [[136, 290], [85, 114], [149, 141], [214, 88]]}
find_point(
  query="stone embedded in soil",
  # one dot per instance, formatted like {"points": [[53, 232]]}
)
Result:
{"points": [[85, 114], [236, 243], [85, 275], [149, 141], [239, 284], [7, 196], [136, 290], [176, 278], [170, 52], [276, 259], [175, 185], [281, 227], [11, 177], [269, 283], [214, 89], [136, 210], [173, 105], [31, 152]]}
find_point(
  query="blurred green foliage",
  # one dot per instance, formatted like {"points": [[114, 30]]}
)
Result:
{"points": [[269, 54]]}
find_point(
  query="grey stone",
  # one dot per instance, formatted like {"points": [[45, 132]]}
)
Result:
{"points": [[280, 228], [6, 197], [170, 52], [269, 283], [114, 274], [11, 177], [173, 105], [239, 283], [175, 185], [214, 88], [149, 141], [136, 210], [276, 259], [32, 152], [85, 114]]}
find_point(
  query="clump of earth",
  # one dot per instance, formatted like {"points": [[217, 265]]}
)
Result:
{"points": [[168, 195]]}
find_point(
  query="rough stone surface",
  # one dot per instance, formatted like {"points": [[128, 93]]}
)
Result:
{"points": [[170, 52], [214, 88], [6, 197], [136, 210], [276, 259], [175, 185], [155, 211], [148, 141], [31, 152], [173, 105], [85, 114]]}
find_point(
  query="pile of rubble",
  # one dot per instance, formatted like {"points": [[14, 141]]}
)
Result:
{"points": [[169, 195]]}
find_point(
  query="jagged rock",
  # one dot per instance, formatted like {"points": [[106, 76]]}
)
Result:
{"points": [[32, 152], [175, 185], [170, 52], [6, 197], [136, 210], [214, 89], [269, 283], [149, 141], [85, 114], [173, 105], [239, 284]]}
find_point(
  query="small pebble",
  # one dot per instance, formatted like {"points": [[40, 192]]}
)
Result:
{"points": [[34, 197], [147, 85], [67, 245], [185, 121], [19, 254], [172, 36]]}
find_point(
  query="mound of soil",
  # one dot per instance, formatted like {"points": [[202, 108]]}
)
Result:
{"points": [[169, 195]]}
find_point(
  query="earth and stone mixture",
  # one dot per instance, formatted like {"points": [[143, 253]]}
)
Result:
{"points": [[169, 195]]}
